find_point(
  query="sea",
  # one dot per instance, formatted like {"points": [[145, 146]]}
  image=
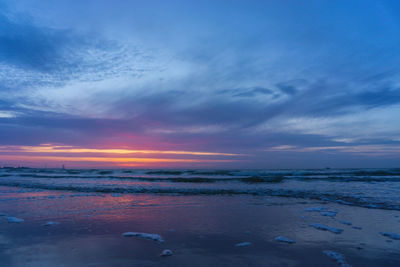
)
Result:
{"points": [[369, 188]]}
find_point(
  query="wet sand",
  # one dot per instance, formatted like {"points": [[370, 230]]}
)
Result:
{"points": [[199, 230]]}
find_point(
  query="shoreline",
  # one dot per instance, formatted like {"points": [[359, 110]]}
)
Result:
{"points": [[199, 230]]}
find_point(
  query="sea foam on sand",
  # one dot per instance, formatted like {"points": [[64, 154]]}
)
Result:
{"points": [[284, 239], [391, 235], [166, 252], [243, 244], [323, 227], [50, 223], [323, 211], [14, 220], [339, 258], [154, 237]]}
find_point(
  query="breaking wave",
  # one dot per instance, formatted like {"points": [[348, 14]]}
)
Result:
{"points": [[370, 188]]}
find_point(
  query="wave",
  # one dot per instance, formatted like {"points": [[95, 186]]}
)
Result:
{"points": [[325, 172], [291, 193], [252, 179], [227, 173], [270, 178], [358, 172]]}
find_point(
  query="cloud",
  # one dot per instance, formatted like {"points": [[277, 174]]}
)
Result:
{"points": [[287, 88], [34, 57], [26, 46], [248, 92], [213, 82], [363, 150], [60, 52]]}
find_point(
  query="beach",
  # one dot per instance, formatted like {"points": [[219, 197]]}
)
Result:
{"points": [[42, 227], [199, 133]]}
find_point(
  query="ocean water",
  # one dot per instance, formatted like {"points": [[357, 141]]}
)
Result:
{"points": [[370, 188]]}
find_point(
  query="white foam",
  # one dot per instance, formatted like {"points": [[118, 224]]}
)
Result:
{"points": [[154, 237], [243, 244], [323, 211], [166, 252], [14, 220], [391, 235], [323, 227], [50, 223], [284, 239], [339, 258]]}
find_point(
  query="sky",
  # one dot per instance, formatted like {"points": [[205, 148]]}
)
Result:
{"points": [[200, 84]]}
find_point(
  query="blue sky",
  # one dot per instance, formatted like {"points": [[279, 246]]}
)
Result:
{"points": [[280, 84]]}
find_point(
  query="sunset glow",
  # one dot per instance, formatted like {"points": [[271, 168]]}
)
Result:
{"points": [[70, 149], [108, 157]]}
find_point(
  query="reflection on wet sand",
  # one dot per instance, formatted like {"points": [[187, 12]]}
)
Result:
{"points": [[200, 230]]}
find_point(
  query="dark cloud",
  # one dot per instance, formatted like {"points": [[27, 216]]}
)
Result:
{"points": [[252, 92], [378, 98], [325, 100], [26, 46], [39, 56], [180, 108], [287, 88]]}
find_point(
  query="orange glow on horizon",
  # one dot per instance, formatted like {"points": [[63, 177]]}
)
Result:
{"points": [[105, 159], [51, 154], [47, 148]]}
